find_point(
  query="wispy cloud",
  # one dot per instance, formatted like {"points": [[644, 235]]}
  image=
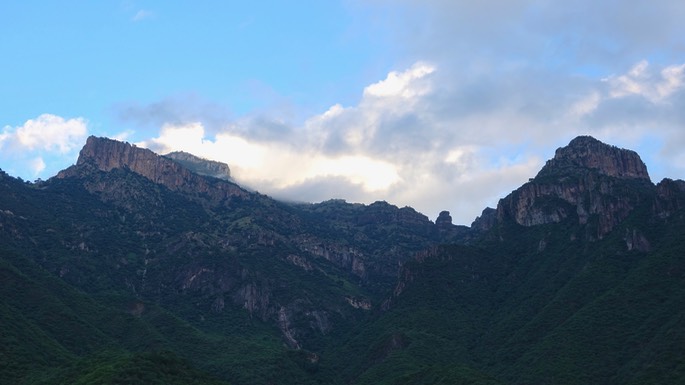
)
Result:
{"points": [[640, 81], [141, 15], [37, 165]]}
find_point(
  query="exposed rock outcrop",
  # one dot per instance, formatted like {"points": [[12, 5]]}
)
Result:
{"points": [[589, 153], [486, 220], [300, 262], [342, 255], [284, 324], [584, 179], [255, 299], [198, 232], [107, 154], [359, 303], [444, 219], [670, 197], [635, 240], [200, 165]]}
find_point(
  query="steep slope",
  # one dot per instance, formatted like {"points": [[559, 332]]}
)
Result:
{"points": [[129, 265], [129, 227], [222, 217], [578, 279], [75, 287]]}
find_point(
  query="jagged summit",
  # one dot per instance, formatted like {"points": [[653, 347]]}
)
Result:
{"points": [[586, 152], [587, 181]]}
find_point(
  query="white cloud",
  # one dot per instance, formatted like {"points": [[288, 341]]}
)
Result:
{"points": [[186, 137], [434, 140], [401, 84], [395, 145], [37, 165], [272, 167], [491, 89], [641, 81], [371, 173], [48, 132], [462, 158], [123, 136], [5, 136], [42, 145], [482, 93]]}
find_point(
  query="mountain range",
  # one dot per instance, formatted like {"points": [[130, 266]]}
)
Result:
{"points": [[133, 267]]}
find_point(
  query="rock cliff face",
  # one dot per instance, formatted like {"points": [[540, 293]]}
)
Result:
{"points": [[588, 152], [201, 166], [486, 220], [669, 197], [586, 179], [223, 247], [107, 154]]}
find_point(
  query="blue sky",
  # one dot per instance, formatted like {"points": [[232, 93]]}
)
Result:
{"points": [[435, 104]]}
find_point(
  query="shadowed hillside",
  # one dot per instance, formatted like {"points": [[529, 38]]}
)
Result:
{"points": [[129, 266]]}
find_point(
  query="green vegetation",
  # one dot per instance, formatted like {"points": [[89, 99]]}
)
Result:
{"points": [[108, 278], [124, 368]]}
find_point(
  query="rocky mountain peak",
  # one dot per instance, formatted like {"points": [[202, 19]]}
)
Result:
{"points": [[586, 152], [107, 154], [200, 165], [586, 179]]}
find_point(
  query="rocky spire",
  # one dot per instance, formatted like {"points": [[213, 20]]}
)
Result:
{"points": [[444, 219]]}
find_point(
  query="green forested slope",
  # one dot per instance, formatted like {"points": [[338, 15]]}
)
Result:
{"points": [[576, 313], [108, 277]]}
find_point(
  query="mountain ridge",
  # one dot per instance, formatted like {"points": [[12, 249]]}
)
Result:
{"points": [[576, 275], [295, 237], [582, 153], [107, 154]]}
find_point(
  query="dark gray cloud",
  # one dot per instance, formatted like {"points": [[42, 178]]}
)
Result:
{"points": [[263, 128], [175, 110], [536, 33]]}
